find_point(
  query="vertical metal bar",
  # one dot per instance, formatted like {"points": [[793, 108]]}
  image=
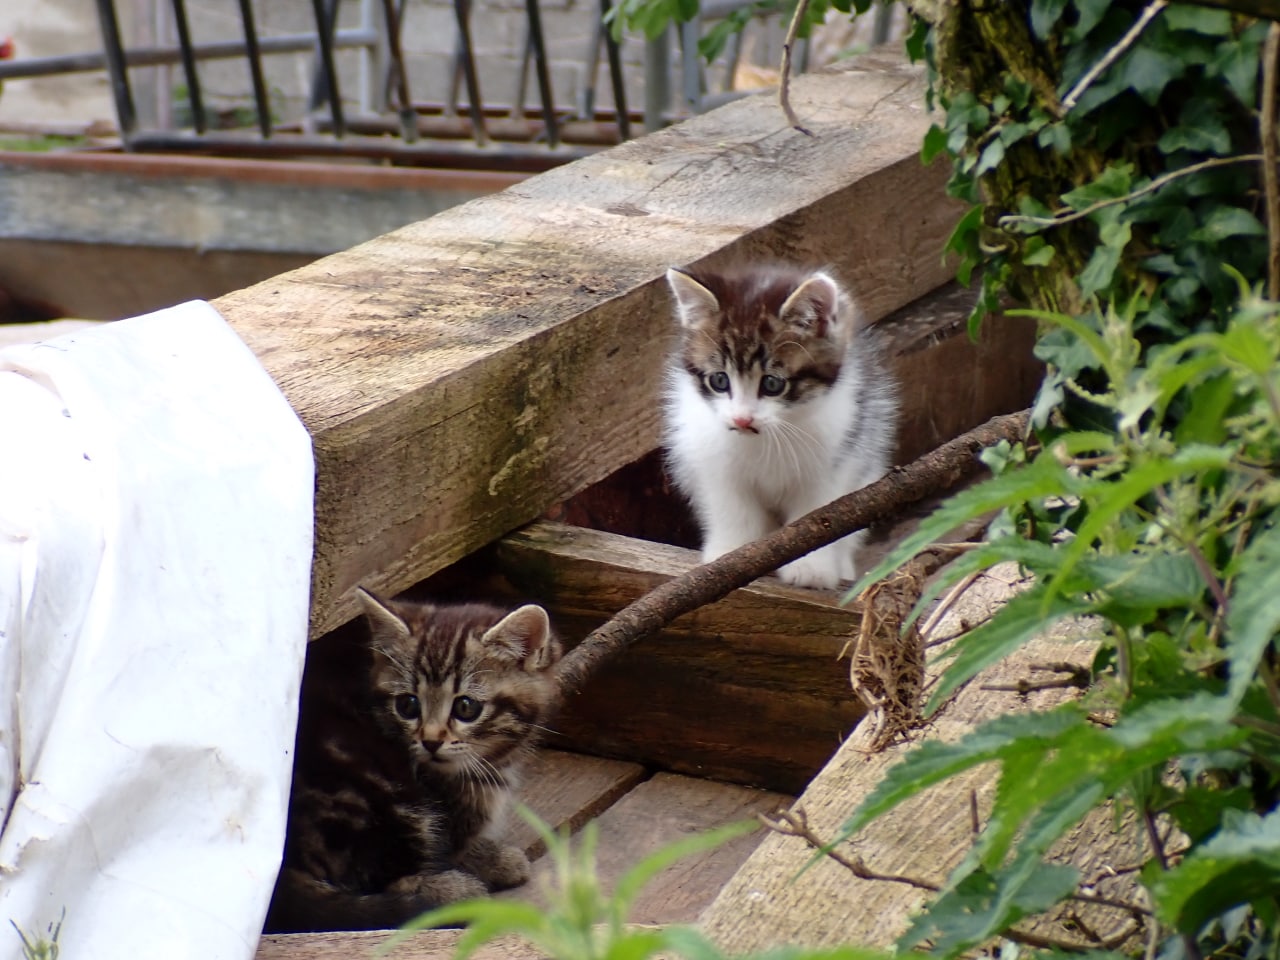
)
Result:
{"points": [[544, 75], [690, 65], [616, 79], [522, 78], [587, 101], [255, 68], [194, 96], [881, 25], [324, 31], [408, 116], [462, 11], [657, 80], [126, 116]]}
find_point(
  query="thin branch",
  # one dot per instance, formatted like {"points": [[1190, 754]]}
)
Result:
{"points": [[1114, 54], [940, 611], [794, 823], [1270, 175], [1068, 216], [935, 472], [784, 78]]}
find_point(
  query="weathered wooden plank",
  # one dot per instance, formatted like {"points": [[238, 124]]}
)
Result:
{"points": [[747, 690], [566, 790], [657, 813], [462, 374], [423, 945], [769, 902]]}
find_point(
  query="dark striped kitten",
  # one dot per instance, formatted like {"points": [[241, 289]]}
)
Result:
{"points": [[408, 749], [776, 406]]}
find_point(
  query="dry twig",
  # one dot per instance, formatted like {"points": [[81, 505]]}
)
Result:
{"points": [[1270, 175], [784, 73]]}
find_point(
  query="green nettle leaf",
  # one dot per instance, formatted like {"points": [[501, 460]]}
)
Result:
{"points": [[1035, 734], [1241, 864], [1254, 616], [1025, 616], [1041, 478]]}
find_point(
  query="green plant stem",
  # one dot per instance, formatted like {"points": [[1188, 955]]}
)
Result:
{"points": [[1189, 944], [1062, 217]]}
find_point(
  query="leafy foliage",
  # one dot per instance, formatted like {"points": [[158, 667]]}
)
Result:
{"points": [[581, 922]]}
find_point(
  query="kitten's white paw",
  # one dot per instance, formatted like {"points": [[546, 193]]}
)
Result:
{"points": [[815, 570]]}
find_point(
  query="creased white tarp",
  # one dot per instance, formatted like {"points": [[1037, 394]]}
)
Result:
{"points": [[155, 554]]}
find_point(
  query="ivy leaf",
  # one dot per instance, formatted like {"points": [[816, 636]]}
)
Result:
{"points": [[1149, 70], [1055, 136], [935, 142], [1089, 14], [1241, 864], [1225, 222], [992, 155], [1044, 16], [1113, 182], [1097, 273], [1215, 23], [1200, 128]]}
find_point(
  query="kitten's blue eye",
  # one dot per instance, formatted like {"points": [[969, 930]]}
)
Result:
{"points": [[408, 707], [719, 381], [466, 709], [772, 386]]}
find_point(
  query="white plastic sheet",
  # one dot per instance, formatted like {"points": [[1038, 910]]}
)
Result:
{"points": [[155, 554]]}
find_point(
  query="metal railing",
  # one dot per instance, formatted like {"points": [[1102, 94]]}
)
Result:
{"points": [[470, 135]]}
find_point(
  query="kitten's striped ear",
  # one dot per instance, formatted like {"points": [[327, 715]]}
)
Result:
{"points": [[384, 623], [814, 306], [528, 630], [695, 304]]}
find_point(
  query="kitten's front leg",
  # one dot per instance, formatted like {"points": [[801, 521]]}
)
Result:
{"points": [[499, 865], [730, 518], [827, 566], [440, 887]]}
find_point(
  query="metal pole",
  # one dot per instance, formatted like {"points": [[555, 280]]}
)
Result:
{"points": [[657, 80], [616, 78], [544, 77], [324, 31], [255, 68], [462, 12], [194, 96], [126, 116]]}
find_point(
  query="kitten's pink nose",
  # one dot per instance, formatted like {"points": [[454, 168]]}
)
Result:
{"points": [[743, 422]]}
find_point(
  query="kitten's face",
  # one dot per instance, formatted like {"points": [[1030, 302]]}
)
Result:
{"points": [[468, 687], [759, 345]]}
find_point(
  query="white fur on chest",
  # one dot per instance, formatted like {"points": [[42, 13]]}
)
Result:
{"points": [[743, 485]]}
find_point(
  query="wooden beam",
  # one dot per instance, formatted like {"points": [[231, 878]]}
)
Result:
{"points": [[461, 375], [748, 690]]}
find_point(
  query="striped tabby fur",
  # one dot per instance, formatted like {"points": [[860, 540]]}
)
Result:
{"points": [[409, 746]]}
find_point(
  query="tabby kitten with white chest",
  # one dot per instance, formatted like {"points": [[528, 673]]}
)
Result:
{"points": [[776, 405], [409, 747]]}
